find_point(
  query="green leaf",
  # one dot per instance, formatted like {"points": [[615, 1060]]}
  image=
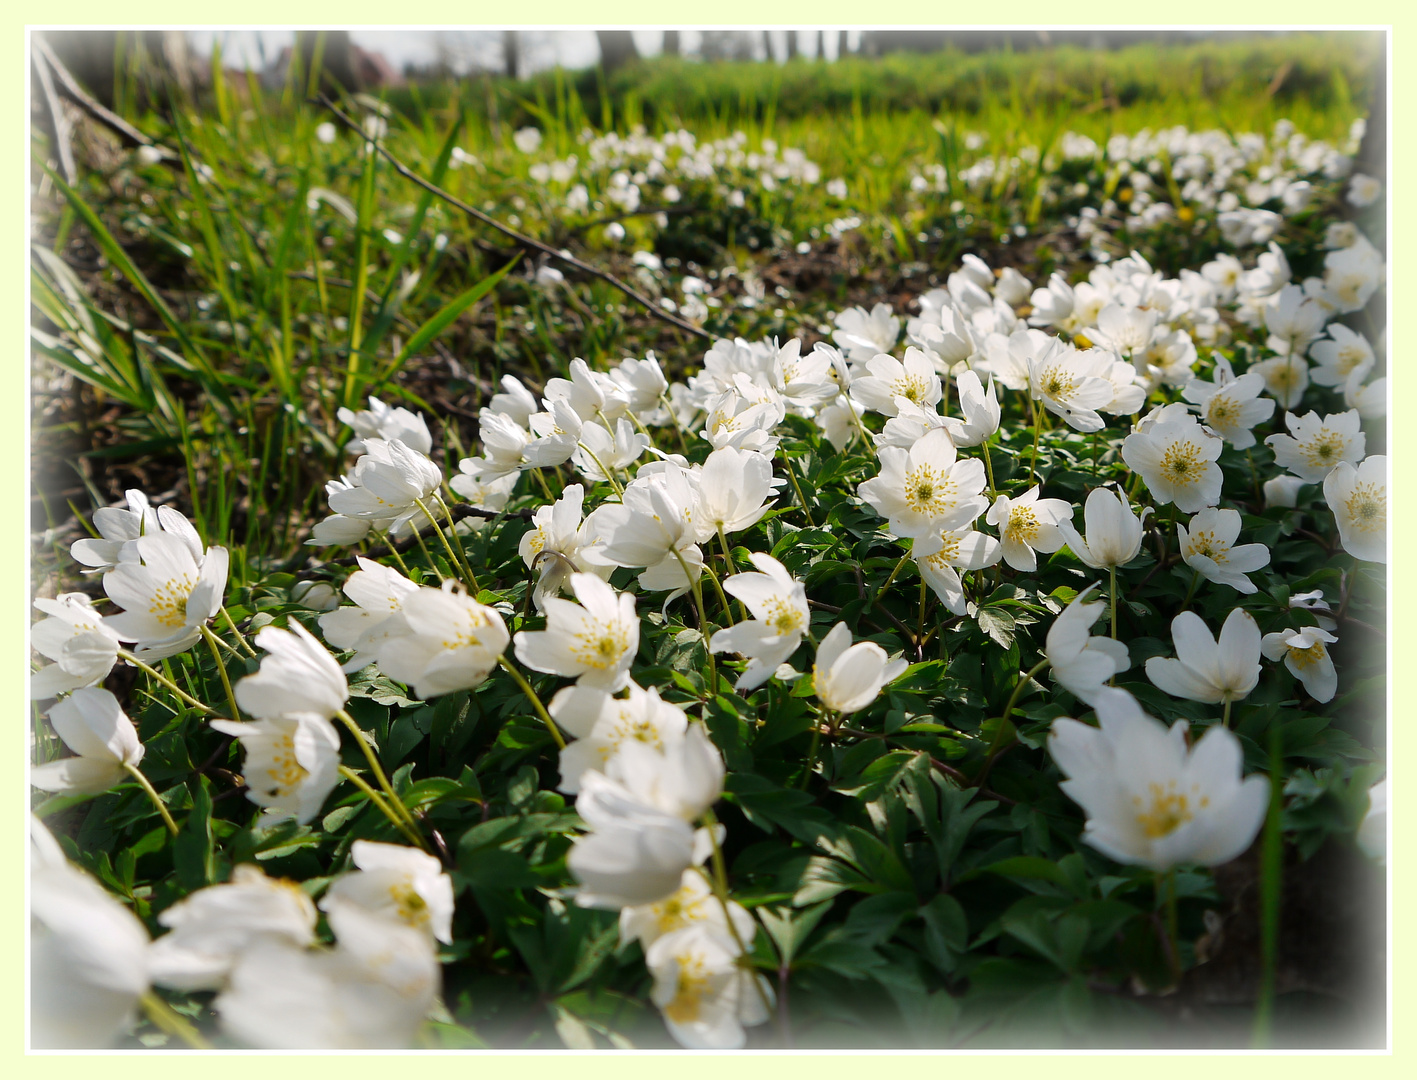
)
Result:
{"points": [[789, 929]]}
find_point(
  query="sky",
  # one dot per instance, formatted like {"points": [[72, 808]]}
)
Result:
{"points": [[540, 48]]}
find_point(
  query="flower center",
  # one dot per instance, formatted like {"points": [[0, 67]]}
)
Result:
{"points": [[1224, 411], [1167, 810], [689, 991], [911, 387], [285, 772], [169, 603], [600, 647], [1057, 383], [1203, 542], [1326, 448], [928, 492], [1182, 463], [1367, 507], [412, 908], [1023, 525], [1304, 658]]}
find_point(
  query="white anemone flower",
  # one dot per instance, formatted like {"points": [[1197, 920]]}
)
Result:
{"points": [[1208, 547], [1082, 663], [1285, 378], [1231, 407], [212, 927], [371, 992], [693, 903], [849, 677], [1205, 669], [298, 675], [514, 402], [386, 422], [87, 954], [913, 378], [386, 484], [600, 725], [707, 998], [642, 383], [556, 433], [940, 556], [601, 454], [1316, 444], [1027, 525], [862, 335], [1063, 379], [292, 763], [83, 647], [397, 882], [1358, 499], [778, 603], [735, 490], [911, 424], [634, 854], [1370, 399], [1305, 653], [1339, 355], [594, 641], [1282, 490], [341, 531], [94, 726], [1177, 460], [166, 598], [926, 488], [378, 593], [441, 641], [980, 408], [1152, 799], [593, 395], [118, 528], [1114, 533], [1294, 321], [554, 547]]}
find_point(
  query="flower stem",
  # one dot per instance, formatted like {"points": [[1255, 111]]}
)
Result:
{"points": [[719, 883], [169, 1020], [792, 475], [147, 786], [697, 588], [212, 643], [1225, 720], [609, 476], [989, 468], [718, 588], [898, 566], [394, 551], [678, 427], [457, 542], [545, 487], [1112, 595], [730, 568], [383, 807], [240, 638], [812, 749], [521, 681], [924, 598], [1037, 425], [458, 564], [1191, 590], [996, 744], [373, 759], [165, 681]]}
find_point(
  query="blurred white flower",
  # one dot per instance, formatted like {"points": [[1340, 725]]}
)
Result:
{"points": [[849, 677], [1150, 798], [94, 726], [83, 647], [1082, 663], [381, 421], [398, 882], [706, 997]]}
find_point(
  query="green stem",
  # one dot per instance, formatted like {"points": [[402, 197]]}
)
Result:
{"points": [[1037, 426], [719, 883], [239, 636], [521, 681], [718, 588], [1164, 886], [457, 543], [678, 427], [730, 568], [426, 553], [792, 475], [1191, 590], [374, 766], [1112, 595], [166, 1018], [1271, 878], [545, 487], [812, 750], [147, 786], [996, 744], [459, 565], [610, 476], [165, 681], [898, 566], [696, 586], [924, 598], [383, 807], [394, 551], [1225, 720], [212, 643], [989, 468]]}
